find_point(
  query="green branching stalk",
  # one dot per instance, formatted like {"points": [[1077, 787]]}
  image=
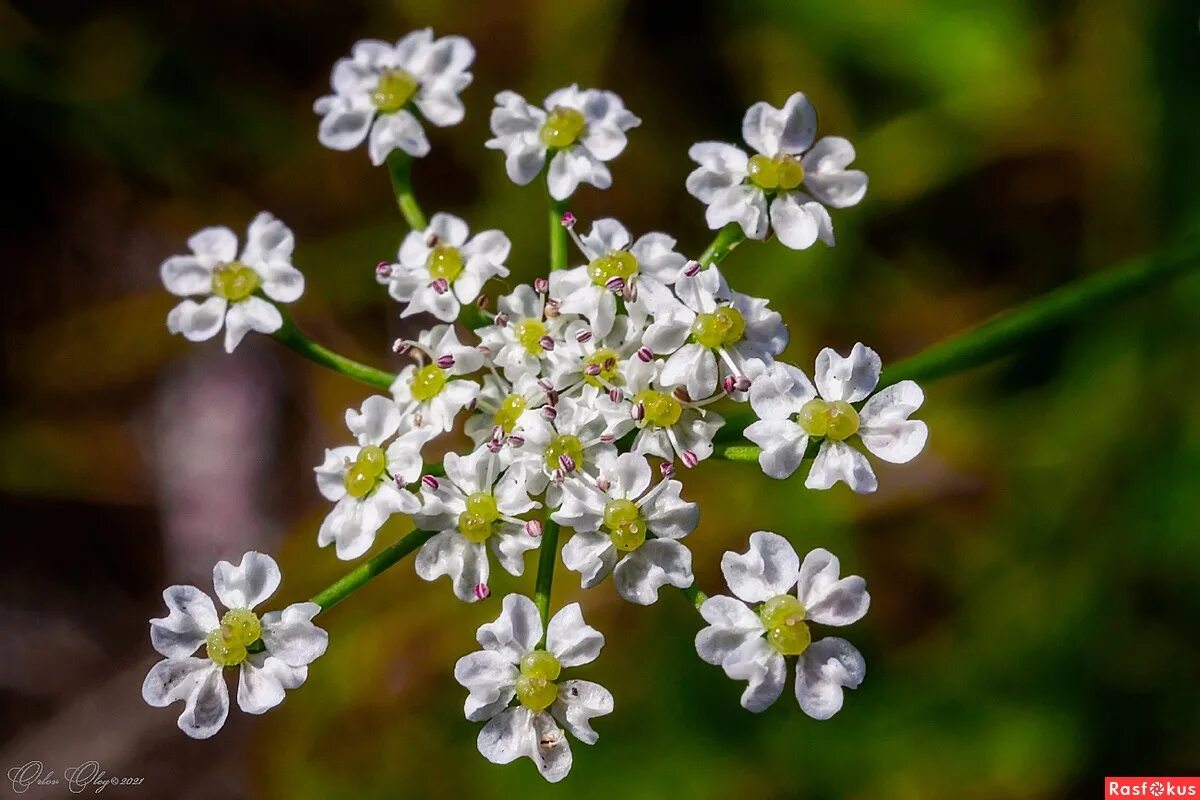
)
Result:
{"points": [[722, 245], [558, 234], [547, 556], [399, 166], [364, 573], [291, 336]]}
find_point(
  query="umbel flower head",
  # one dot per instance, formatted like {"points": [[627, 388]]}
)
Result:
{"points": [[238, 290], [789, 173], [271, 652], [517, 663], [753, 644], [377, 89]]}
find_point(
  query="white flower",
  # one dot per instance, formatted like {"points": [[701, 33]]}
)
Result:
{"points": [[440, 270], [366, 481], [612, 517], [712, 321], [430, 393], [583, 129], [503, 409], [472, 514], [515, 665], [272, 651], [556, 443], [230, 283], [587, 364], [738, 188], [638, 270], [380, 82], [751, 644], [791, 412], [525, 334]]}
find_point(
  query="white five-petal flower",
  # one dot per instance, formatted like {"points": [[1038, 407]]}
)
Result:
{"points": [[433, 393], [790, 173], [375, 88], [514, 665], [272, 652], [751, 644], [792, 411], [581, 128], [230, 283]]}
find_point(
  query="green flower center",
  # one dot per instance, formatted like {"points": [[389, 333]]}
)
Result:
{"points": [[365, 472], [607, 361], [564, 445], [562, 127], [661, 409], [783, 617], [428, 382], [619, 264], [782, 172], [234, 281], [723, 327], [625, 525], [836, 420], [509, 412], [395, 88], [444, 261], [476, 523], [529, 333], [227, 644], [535, 686]]}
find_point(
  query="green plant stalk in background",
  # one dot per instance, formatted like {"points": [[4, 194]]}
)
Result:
{"points": [[547, 556], [291, 336], [399, 166], [358, 577]]}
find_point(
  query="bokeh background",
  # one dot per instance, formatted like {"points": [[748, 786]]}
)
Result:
{"points": [[1035, 573]]}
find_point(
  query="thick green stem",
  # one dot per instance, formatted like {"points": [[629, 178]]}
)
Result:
{"points": [[358, 577], [399, 166], [722, 245], [291, 336], [558, 234], [547, 557]]}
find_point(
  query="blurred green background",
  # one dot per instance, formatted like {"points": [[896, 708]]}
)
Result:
{"points": [[1035, 573]]}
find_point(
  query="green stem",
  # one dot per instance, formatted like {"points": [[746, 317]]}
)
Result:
{"points": [[291, 336], [358, 577], [558, 234], [722, 245], [694, 596], [399, 166], [547, 556]]}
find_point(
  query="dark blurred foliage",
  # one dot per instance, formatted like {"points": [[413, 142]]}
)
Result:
{"points": [[1034, 573]]}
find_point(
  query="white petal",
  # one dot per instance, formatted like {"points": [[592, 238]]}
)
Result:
{"points": [[630, 476], [291, 636], [743, 204], [721, 166], [731, 625], [827, 599], [268, 241], [571, 167], [190, 616], [762, 667], [207, 706], [788, 130], [669, 332], [515, 632], [489, 677], [606, 236], [197, 322], [577, 704], [252, 581], [780, 391], [669, 516], [783, 444], [884, 425], [572, 640], [214, 245], [331, 473], [174, 679], [590, 554], [693, 366], [448, 553], [186, 275], [375, 421], [826, 176], [510, 544], [251, 314], [282, 283], [822, 671], [769, 567], [396, 131], [344, 125], [262, 681], [441, 105], [655, 564], [838, 461], [851, 378], [796, 220], [519, 732]]}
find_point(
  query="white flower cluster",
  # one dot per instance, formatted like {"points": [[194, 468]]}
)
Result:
{"points": [[583, 393]]}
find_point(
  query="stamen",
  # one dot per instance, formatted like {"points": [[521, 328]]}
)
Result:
{"points": [[743, 384], [400, 347], [592, 370], [607, 438], [615, 285], [616, 395], [481, 301], [516, 440], [689, 458], [584, 336], [691, 269], [729, 384], [549, 412], [667, 469], [645, 354], [431, 240], [631, 290], [546, 343], [501, 320], [441, 286], [568, 219], [482, 591], [383, 269], [429, 482], [603, 484], [400, 482], [639, 412], [541, 285], [566, 462], [445, 362], [534, 528]]}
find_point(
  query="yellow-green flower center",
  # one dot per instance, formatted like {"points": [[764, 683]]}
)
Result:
{"points": [[428, 382], [661, 409], [562, 127], [529, 332], [721, 328], [227, 644], [476, 523], [619, 264], [607, 361], [782, 172], [444, 261], [509, 412], [395, 88], [234, 281], [564, 445], [535, 685], [625, 525], [783, 617], [365, 472], [836, 420]]}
